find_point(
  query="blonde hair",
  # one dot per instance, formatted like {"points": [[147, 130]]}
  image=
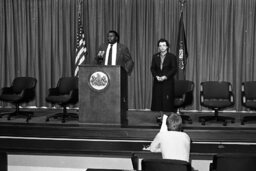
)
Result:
{"points": [[174, 122]]}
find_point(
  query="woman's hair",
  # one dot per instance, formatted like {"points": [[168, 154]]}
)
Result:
{"points": [[163, 40], [174, 122]]}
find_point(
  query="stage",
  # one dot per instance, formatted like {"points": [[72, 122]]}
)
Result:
{"points": [[141, 126], [73, 138]]}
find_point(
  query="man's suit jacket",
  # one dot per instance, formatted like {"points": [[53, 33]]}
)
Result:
{"points": [[123, 56]]}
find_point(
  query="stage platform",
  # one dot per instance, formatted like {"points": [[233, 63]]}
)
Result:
{"points": [[75, 138], [142, 125]]}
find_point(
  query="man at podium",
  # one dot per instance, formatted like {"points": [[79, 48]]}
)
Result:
{"points": [[115, 53]]}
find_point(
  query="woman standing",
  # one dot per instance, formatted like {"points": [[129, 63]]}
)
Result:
{"points": [[163, 69]]}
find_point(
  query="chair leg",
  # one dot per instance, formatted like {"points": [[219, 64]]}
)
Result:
{"points": [[217, 118], [3, 114], [248, 118], [185, 118], [54, 116], [17, 111], [64, 115], [68, 115]]}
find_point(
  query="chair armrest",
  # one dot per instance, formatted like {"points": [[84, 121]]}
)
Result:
{"points": [[185, 99], [53, 91], [243, 97], [6, 90], [188, 97], [231, 95], [201, 97], [74, 93], [27, 93]]}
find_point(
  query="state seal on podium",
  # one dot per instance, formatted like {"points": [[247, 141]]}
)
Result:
{"points": [[98, 81]]}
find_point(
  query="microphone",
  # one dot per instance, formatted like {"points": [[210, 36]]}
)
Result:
{"points": [[100, 57]]}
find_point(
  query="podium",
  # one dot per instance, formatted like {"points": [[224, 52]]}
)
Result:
{"points": [[103, 95]]}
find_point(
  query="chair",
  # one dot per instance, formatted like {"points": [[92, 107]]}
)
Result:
{"points": [[233, 162], [3, 161], [216, 95], [135, 161], [183, 96], [248, 90], [66, 93], [165, 165], [21, 91]]}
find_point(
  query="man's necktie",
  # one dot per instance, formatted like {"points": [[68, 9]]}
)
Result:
{"points": [[110, 55]]}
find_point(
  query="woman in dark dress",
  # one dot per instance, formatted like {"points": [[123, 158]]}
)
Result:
{"points": [[163, 69]]}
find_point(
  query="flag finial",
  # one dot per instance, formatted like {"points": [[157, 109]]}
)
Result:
{"points": [[79, 6], [182, 3]]}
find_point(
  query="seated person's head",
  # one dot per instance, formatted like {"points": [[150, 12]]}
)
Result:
{"points": [[174, 122]]}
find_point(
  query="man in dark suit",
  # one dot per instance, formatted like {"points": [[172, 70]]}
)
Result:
{"points": [[115, 53]]}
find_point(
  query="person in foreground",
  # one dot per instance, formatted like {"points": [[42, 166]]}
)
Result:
{"points": [[114, 53], [170, 141], [163, 69]]}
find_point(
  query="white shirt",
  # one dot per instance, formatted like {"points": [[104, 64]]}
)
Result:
{"points": [[114, 52], [172, 144]]}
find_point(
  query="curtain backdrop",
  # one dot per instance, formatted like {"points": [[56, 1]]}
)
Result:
{"points": [[37, 38]]}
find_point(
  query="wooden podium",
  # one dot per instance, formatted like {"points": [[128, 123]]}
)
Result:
{"points": [[103, 95]]}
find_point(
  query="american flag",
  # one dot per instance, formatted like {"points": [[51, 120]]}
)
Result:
{"points": [[81, 49]]}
